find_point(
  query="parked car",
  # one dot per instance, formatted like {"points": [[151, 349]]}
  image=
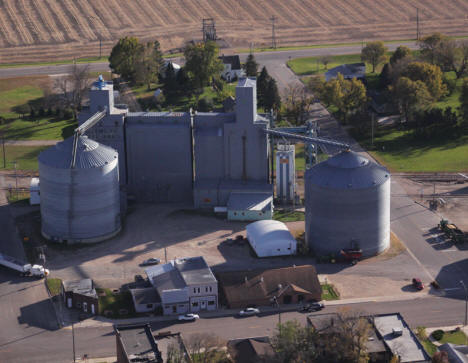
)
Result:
{"points": [[151, 261], [249, 311], [316, 306], [188, 317], [417, 283]]}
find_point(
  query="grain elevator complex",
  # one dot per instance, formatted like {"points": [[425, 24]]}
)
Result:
{"points": [[208, 160]]}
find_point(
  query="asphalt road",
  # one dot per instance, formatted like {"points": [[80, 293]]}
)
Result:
{"points": [[40, 346], [274, 61]]}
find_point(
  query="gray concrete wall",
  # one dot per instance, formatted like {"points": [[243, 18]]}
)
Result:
{"points": [[159, 158]]}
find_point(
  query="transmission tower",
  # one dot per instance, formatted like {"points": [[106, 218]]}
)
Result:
{"points": [[209, 30], [273, 35]]}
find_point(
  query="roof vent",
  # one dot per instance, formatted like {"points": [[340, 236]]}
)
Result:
{"points": [[397, 332]]}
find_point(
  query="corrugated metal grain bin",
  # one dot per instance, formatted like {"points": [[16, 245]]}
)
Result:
{"points": [[347, 205], [80, 204]]}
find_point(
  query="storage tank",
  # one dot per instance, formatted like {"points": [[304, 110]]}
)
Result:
{"points": [[80, 204], [285, 173], [347, 205]]}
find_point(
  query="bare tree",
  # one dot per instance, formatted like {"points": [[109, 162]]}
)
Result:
{"points": [[325, 60], [175, 354], [297, 102], [72, 88], [206, 348]]}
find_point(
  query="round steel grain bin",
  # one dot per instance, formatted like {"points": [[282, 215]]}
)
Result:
{"points": [[80, 204], [347, 205]]}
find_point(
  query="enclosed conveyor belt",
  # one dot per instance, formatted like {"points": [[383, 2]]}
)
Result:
{"points": [[307, 139]]}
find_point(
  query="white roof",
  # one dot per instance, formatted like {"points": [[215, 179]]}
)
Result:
{"points": [[34, 183], [267, 234]]}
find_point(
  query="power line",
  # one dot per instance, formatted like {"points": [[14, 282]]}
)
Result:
{"points": [[273, 35]]}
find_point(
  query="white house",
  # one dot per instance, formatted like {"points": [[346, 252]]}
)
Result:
{"points": [[232, 67], [184, 285], [271, 238]]}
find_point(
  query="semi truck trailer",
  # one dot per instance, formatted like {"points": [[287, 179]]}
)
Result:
{"points": [[25, 269]]}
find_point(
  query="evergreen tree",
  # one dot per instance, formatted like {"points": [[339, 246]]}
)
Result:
{"points": [[272, 97], [385, 78], [170, 81], [251, 66], [262, 86]]}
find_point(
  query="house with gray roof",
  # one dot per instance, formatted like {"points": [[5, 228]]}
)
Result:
{"points": [[184, 285], [349, 71], [81, 295]]}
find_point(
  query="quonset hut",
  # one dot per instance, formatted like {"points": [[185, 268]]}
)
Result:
{"points": [[80, 204], [347, 205]]}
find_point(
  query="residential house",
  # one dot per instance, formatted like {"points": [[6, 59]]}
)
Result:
{"points": [[145, 299], [349, 71], [184, 285], [289, 285], [137, 343], [390, 336], [232, 67], [250, 350], [80, 294]]}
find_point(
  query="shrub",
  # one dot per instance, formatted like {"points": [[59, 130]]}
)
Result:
{"points": [[67, 113], [205, 104], [437, 334], [50, 112], [41, 112]]}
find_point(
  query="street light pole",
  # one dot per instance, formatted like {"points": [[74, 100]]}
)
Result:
{"points": [[466, 302]]}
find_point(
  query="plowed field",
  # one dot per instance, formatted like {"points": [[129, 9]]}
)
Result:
{"points": [[46, 29]]}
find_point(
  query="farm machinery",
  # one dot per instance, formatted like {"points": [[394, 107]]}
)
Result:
{"points": [[451, 231]]}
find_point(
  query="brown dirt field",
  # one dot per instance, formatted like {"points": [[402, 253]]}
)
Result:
{"points": [[44, 30]]}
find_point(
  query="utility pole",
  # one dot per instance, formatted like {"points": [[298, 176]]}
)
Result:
{"points": [[417, 23], [273, 35], [16, 179], [466, 301], [372, 130], [3, 150], [73, 339]]}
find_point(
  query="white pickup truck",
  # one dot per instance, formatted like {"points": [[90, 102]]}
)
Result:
{"points": [[25, 269]]}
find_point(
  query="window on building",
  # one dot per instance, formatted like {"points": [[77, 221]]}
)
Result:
{"points": [[211, 303], [174, 308], [211, 289], [206, 289], [181, 306], [195, 304], [149, 306], [194, 290], [198, 290]]}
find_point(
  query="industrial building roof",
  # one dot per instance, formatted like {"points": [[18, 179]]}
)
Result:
{"points": [[179, 273], [406, 346], [347, 170], [247, 82], [89, 154], [250, 201]]}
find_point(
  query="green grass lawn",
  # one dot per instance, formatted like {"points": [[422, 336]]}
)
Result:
{"points": [[115, 302], [455, 337], [329, 293], [25, 156], [400, 152], [288, 216], [54, 286], [430, 347]]}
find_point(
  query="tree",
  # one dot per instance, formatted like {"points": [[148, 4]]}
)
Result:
{"points": [[440, 357], [385, 78], [429, 46], [411, 96], [206, 348], [325, 60], [170, 80], [72, 88], [400, 53], [464, 101], [452, 55], [272, 97], [183, 81], [430, 74], [297, 102], [251, 66], [262, 86], [148, 63], [374, 53], [123, 57], [202, 63]]}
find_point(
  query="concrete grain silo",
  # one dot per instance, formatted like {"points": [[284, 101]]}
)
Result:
{"points": [[80, 203], [347, 205]]}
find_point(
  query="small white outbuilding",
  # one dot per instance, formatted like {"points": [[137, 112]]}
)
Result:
{"points": [[34, 192], [271, 238]]}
